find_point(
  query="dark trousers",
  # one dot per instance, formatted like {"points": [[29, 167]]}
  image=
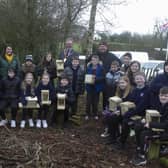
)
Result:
{"points": [[43, 111], [113, 123], [92, 101], [74, 106], [11, 103], [27, 112]]}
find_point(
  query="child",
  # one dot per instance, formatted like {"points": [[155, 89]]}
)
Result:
{"points": [[76, 75], [134, 67], [28, 66], [48, 65], [93, 90], [137, 96], [64, 87], [162, 107], [114, 119], [126, 60], [10, 93], [44, 108], [111, 80], [28, 90]]}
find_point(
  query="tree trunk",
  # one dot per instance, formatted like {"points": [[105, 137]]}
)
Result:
{"points": [[90, 34]]}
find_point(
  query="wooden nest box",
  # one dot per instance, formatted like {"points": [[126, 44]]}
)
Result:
{"points": [[114, 103], [125, 106], [89, 79], [60, 65], [61, 101], [152, 116], [45, 97]]}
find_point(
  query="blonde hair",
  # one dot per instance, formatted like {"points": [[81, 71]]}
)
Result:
{"points": [[127, 90], [24, 84]]}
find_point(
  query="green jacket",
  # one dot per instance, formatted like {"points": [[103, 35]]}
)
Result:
{"points": [[5, 65]]}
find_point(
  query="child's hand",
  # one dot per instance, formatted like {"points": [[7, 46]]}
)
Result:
{"points": [[147, 125], [143, 121], [117, 112]]}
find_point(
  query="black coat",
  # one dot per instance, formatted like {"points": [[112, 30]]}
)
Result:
{"points": [[11, 88], [76, 78]]}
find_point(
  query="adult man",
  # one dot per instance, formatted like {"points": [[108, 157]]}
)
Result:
{"points": [[68, 53], [8, 60], [107, 58]]}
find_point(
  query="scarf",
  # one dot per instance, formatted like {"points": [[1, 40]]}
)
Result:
{"points": [[9, 58]]}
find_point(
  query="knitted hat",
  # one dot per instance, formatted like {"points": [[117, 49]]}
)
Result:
{"points": [[28, 58]]}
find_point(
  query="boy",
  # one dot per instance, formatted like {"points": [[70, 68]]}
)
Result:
{"points": [[64, 87], [162, 107], [93, 90], [10, 94], [76, 76], [28, 66], [126, 60], [111, 80]]}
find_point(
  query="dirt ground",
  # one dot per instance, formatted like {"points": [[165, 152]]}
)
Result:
{"points": [[74, 147]]}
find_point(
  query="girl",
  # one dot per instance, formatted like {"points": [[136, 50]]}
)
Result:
{"points": [[48, 65], [27, 89], [44, 108], [134, 67], [114, 120]]}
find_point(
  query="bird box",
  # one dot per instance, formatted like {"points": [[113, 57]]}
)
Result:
{"points": [[152, 116], [125, 106], [60, 65], [32, 102], [89, 79], [45, 97], [61, 101], [82, 60], [114, 102]]}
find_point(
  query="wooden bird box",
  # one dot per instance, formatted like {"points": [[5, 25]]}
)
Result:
{"points": [[152, 116], [61, 101], [60, 65], [45, 97], [82, 60], [31, 103], [125, 106], [89, 79], [114, 102]]}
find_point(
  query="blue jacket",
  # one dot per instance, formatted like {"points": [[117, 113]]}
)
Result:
{"points": [[99, 80], [50, 87]]}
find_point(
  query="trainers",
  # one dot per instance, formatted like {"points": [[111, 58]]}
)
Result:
{"points": [[44, 122], [139, 161], [96, 117], [31, 123], [13, 124], [3, 122], [105, 133], [22, 124], [38, 123], [86, 118]]}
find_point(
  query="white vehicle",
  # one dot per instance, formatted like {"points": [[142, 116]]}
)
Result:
{"points": [[136, 55]]}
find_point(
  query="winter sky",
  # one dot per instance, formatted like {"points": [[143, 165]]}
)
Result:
{"points": [[135, 16]]}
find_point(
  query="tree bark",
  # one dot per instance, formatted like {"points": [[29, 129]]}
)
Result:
{"points": [[91, 29]]}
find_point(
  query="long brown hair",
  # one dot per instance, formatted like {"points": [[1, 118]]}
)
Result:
{"points": [[127, 90]]}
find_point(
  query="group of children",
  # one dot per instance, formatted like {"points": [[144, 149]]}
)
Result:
{"points": [[126, 82]]}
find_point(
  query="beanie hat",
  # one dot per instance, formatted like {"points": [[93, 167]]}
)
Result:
{"points": [[28, 58]]}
